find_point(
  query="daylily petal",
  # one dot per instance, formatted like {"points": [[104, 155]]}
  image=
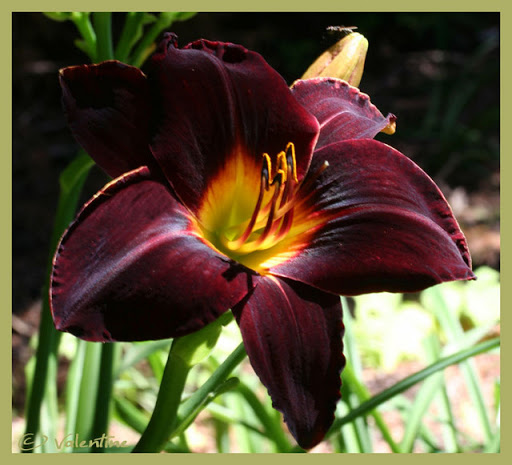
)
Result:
{"points": [[218, 102], [293, 336], [343, 111], [107, 107], [388, 227], [131, 267]]}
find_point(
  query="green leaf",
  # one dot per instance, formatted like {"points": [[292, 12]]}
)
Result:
{"points": [[103, 27], [130, 415], [102, 406], [482, 303], [73, 382], [139, 351], [88, 389], [450, 323], [75, 174], [413, 379], [422, 401], [270, 423], [71, 183], [183, 16]]}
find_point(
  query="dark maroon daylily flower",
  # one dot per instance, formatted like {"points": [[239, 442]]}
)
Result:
{"points": [[234, 192]]}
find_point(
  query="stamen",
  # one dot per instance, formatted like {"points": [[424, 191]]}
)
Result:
{"points": [[278, 178], [266, 169], [264, 185], [305, 186], [290, 158], [272, 222], [285, 225], [281, 164]]}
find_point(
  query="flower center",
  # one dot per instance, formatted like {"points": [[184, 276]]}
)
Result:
{"points": [[271, 222], [272, 226]]}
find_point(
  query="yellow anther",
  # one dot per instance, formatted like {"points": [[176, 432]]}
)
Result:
{"points": [[266, 169], [290, 151], [282, 164], [272, 216]]}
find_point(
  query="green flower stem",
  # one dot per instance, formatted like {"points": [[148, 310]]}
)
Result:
{"points": [[185, 353], [163, 420], [129, 35], [187, 414], [103, 27], [84, 26], [147, 43], [162, 425]]}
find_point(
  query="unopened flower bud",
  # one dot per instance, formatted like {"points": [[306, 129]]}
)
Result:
{"points": [[344, 60]]}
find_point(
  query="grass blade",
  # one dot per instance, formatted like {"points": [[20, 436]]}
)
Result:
{"points": [[140, 351], [413, 379], [71, 182], [73, 383], [423, 399], [271, 424], [453, 330], [88, 390], [353, 373], [109, 354]]}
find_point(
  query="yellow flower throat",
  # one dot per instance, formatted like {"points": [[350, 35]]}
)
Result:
{"points": [[258, 216]]}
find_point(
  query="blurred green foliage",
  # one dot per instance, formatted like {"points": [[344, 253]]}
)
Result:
{"points": [[392, 328]]}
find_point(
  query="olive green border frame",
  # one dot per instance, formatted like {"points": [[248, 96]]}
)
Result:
{"points": [[10, 6]]}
